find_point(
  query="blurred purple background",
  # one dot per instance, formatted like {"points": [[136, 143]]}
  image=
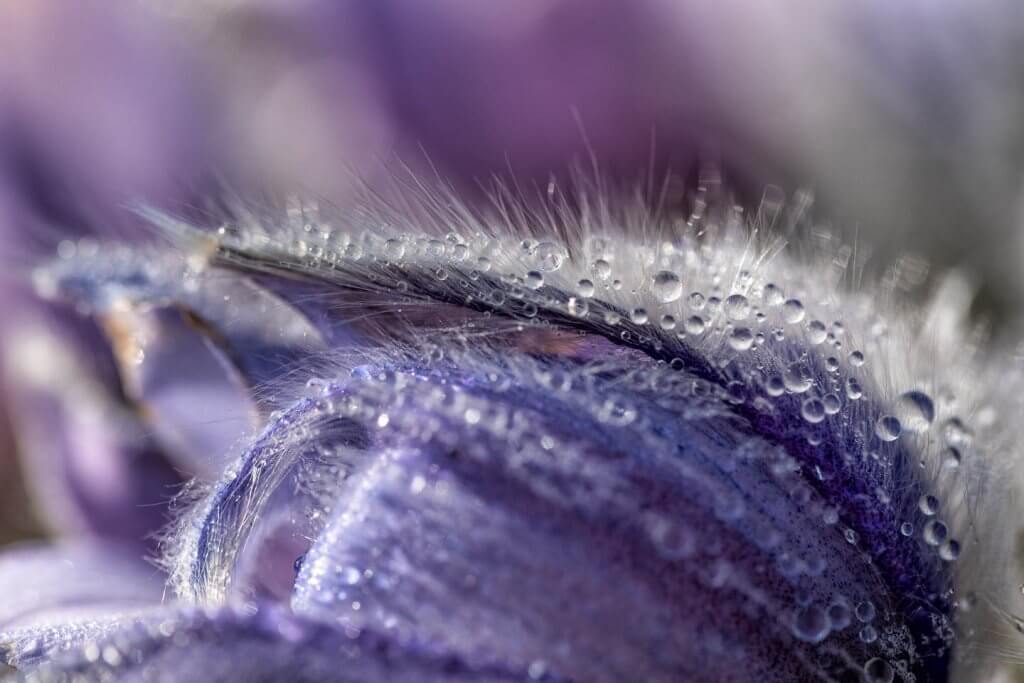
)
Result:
{"points": [[906, 120]]}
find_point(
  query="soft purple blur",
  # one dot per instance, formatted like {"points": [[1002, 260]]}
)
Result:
{"points": [[904, 122]]}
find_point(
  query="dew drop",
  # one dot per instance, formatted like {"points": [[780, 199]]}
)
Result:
{"points": [[816, 332], [839, 616], [772, 295], [950, 550], [955, 433], [888, 428], [737, 307], [798, 378], [915, 411], [534, 279], [853, 389], [878, 671], [741, 339], [695, 325], [394, 249], [856, 358], [549, 256], [813, 410], [696, 301], [935, 532], [585, 288], [666, 287], [868, 634], [793, 311], [668, 322], [602, 269], [638, 316], [865, 611], [811, 624], [577, 307], [928, 505]]}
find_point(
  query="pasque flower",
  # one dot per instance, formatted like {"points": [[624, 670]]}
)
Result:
{"points": [[553, 440]]}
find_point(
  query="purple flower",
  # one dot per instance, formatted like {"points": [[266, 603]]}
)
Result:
{"points": [[436, 444]]}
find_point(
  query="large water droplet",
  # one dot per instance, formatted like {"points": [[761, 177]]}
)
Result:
{"points": [[666, 286], [813, 410], [793, 311], [741, 339], [549, 256], [888, 428], [935, 532], [772, 295], [394, 249], [811, 624], [534, 279], [915, 411], [737, 307], [695, 325], [798, 378], [878, 671]]}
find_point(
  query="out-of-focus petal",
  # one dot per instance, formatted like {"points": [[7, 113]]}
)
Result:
{"points": [[266, 646], [90, 464], [57, 596]]}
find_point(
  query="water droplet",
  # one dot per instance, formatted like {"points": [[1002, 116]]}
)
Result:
{"points": [[888, 428], [816, 332], [868, 634], [856, 358], [549, 256], [577, 307], [534, 279], [956, 433], [907, 529], [638, 316], [602, 269], [772, 295], [668, 322], [394, 249], [915, 411], [737, 307], [935, 532], [696, 301], [811, 624], [951, 458], [865, 611], [793, 311], [878, 671], [741, 339], [798, 378], [695, 325], [813, 410], [585, 288], [929, 505], [839, 616], [950, 550], [853, 389], [666, 287]]}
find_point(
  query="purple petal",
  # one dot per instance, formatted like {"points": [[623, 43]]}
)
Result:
{"points": [[58, 596], [267, 646]]}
